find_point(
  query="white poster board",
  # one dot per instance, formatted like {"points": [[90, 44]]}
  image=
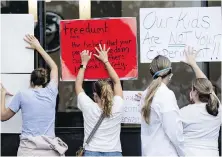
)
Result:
{"points": [[131, 108], [15, 58], [166, 31], [14, 83]]}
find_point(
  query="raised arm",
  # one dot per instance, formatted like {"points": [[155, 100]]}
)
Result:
{"points": [[190, 60], [34, 44], [85, 57], [103, 56], [6, 113]]}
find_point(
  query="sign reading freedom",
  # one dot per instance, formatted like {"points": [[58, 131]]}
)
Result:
{"points": [[117, 33]]}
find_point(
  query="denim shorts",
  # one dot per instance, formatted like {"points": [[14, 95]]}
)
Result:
{"points": [[90, 153]]}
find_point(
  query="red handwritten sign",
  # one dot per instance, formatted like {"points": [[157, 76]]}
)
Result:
{"points": [[117, 33]]}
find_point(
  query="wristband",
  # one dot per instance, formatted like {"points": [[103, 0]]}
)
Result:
{"points": [[82, 66]]}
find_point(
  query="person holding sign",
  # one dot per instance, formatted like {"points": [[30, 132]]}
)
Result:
{"points": [[105, 114], [37, 106], [161, 127], [202, 119]]}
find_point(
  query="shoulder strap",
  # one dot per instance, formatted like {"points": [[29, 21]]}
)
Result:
{"points": [[94, 129]]}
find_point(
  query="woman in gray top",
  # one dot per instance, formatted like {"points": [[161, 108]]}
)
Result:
{"points": [[37, 106]]}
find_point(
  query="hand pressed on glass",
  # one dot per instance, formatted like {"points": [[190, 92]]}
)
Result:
{"points": [[85, 57], [103, 53], [32, 41], [190, 56]]}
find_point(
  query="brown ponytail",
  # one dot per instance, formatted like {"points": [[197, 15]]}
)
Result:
{"points": [[39, 77], [212, 105], [104, 91], [206, 94], [162, 65], [155, 84]]}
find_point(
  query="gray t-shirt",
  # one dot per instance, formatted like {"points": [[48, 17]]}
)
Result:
{"points": [[37, 108]]}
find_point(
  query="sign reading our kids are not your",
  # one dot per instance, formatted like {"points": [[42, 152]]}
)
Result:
{"points": [[166, 31], [119, 34]]}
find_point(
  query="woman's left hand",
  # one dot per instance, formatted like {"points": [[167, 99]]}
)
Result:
{"points": [[85, 57], [103, 53], [32, 41]]}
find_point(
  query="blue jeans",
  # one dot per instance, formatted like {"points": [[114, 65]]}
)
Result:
{"points": [[90, 153]]}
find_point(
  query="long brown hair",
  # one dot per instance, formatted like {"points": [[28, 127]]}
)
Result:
{"points": [[158, 63], [105, 92], [206, 94]]}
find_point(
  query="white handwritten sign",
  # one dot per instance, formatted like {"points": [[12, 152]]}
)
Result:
{"points": [[166, 31], [131, 108]]}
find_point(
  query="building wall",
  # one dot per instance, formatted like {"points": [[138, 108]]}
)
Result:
{"points": [[69, 120]]}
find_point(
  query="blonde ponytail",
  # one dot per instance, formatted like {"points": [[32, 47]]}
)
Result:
{"points": [[155, 84], [107, 98], [160, 68], [105, 92]]}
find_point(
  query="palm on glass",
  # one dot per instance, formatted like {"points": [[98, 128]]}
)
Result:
{"points": [[4, 91], [85, 56], [190, 56], [102, 53], [32, 41]]}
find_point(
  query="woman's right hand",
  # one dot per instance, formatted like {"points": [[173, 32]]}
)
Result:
{"points": [[32, 41], [190, 60], [103, 53], [190, 56], [85, 57], [4, 91]]}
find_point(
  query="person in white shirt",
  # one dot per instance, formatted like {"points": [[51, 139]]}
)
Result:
{"points": [[161, 126], [201, 119], [106, 141]]}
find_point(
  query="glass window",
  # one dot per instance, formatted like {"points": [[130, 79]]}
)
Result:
{"points": [[67, 113], [57, 10], [215, 67], [183, 75], [14, 7]]}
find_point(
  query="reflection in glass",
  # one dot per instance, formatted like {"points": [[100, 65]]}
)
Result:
{"points": [[183, 75], [56, 11]]}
